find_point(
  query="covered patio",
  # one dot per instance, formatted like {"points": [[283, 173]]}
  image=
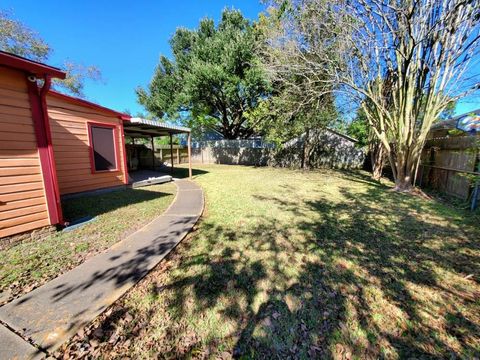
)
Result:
{"points": [[150, 171]]}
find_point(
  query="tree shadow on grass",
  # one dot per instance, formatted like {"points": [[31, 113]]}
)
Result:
{"points": [[82, 294], [395, 247], [368, 280], [269, 312], [370, 274]]}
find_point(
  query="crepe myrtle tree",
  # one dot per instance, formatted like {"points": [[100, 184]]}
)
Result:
{"points": [[213, 80], [403, 62]]}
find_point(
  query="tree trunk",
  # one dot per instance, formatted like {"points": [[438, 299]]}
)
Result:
{"points": [[305, 163], [377, 158], [403, 183], [404, 173]]}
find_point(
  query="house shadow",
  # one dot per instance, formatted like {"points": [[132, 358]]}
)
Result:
{"points": [[95, 204], [182, 172], [92, 205]]}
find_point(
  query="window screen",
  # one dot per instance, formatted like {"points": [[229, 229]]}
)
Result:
{"points": [[103, 148]]}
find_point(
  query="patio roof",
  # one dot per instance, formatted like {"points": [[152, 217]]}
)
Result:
{"points": [[138, 127]]}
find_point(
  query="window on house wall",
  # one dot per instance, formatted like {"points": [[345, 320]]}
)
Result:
{"points": [[102, 142]]}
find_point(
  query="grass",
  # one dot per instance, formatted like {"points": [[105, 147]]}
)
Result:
{"points": [[30, 264], [289, 264]]}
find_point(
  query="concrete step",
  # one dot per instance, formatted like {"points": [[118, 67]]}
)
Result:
{"points": [[152, 181]]}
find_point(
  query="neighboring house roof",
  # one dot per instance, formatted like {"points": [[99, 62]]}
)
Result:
{"points": [[452, 122], [88, 104], [30, 66], [206, 133], [342, 135]]}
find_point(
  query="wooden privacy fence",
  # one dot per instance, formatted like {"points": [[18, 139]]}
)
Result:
{"points": [[451, 165], [150, 160], [180, 154], [231, 152]]}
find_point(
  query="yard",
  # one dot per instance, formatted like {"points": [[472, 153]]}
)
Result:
{"points": [[290, 264], [30, 264]]}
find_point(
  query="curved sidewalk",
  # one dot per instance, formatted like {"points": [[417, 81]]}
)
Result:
{"points": [[52, 313]]}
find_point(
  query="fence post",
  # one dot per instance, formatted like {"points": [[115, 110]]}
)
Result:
{"points": [[189, 150], [178, 155], [171, 153], [475, 189], [153, 153]]}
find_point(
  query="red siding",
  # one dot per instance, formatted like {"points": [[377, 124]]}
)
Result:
{"points": [[69, 129], [22, 194]]}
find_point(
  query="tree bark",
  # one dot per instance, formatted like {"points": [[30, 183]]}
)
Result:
{"points": [[305, 164], [377, 158], [404, 173]]}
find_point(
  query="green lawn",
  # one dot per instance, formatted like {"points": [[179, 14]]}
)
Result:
{"points": [[290, 264], [119, 213]]}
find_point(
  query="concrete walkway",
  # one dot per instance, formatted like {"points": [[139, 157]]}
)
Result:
{"points": [[52, 313]]}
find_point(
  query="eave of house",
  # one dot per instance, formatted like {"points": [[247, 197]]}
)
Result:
{"points": [[30, 66]]}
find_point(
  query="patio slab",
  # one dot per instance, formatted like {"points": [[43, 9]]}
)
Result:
{"points": [[52, 313]]}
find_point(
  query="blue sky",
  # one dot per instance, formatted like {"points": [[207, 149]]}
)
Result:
{"points": [[125, 38]]}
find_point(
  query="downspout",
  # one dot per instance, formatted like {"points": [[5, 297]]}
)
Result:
{"points": [[38, 119], [51, 157]]}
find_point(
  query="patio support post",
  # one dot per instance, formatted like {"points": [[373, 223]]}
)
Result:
{"points": [[189, 146], [171, 152], [153, 154]]}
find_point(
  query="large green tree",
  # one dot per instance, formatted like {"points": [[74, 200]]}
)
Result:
{"points": [[18, 39], [214, 79], [291, 112], [403, 61]]}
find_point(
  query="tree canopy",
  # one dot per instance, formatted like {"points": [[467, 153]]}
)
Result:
{"points": [[404, 63], [358, 128], [18, 39], [214, 79]]}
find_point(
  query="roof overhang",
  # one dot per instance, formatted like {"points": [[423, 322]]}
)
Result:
{"points": [[30, 66], [138, 127], [88, 104]]}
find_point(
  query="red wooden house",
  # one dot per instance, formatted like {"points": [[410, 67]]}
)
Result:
{"points": [[53, 144]]}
